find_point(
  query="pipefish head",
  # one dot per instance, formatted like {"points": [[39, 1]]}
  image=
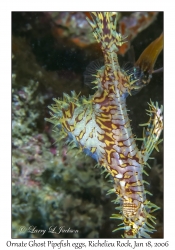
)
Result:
{"points": [[142, 71]]}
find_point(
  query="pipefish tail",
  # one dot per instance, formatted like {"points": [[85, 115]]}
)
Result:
{"points": [[100, 126]]}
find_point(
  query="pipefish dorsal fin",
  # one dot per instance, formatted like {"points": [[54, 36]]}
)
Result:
{"points": [[91, 71]]}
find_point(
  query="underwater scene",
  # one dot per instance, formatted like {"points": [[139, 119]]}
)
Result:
{"points": [[87, 121]]}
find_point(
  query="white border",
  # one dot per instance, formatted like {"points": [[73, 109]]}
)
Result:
{"points": [[5, 95]]}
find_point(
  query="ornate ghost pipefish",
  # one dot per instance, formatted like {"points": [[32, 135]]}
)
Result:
{"points": [[100, 127]]}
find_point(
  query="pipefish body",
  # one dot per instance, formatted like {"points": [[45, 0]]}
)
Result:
{"points": [[100, 126]]}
